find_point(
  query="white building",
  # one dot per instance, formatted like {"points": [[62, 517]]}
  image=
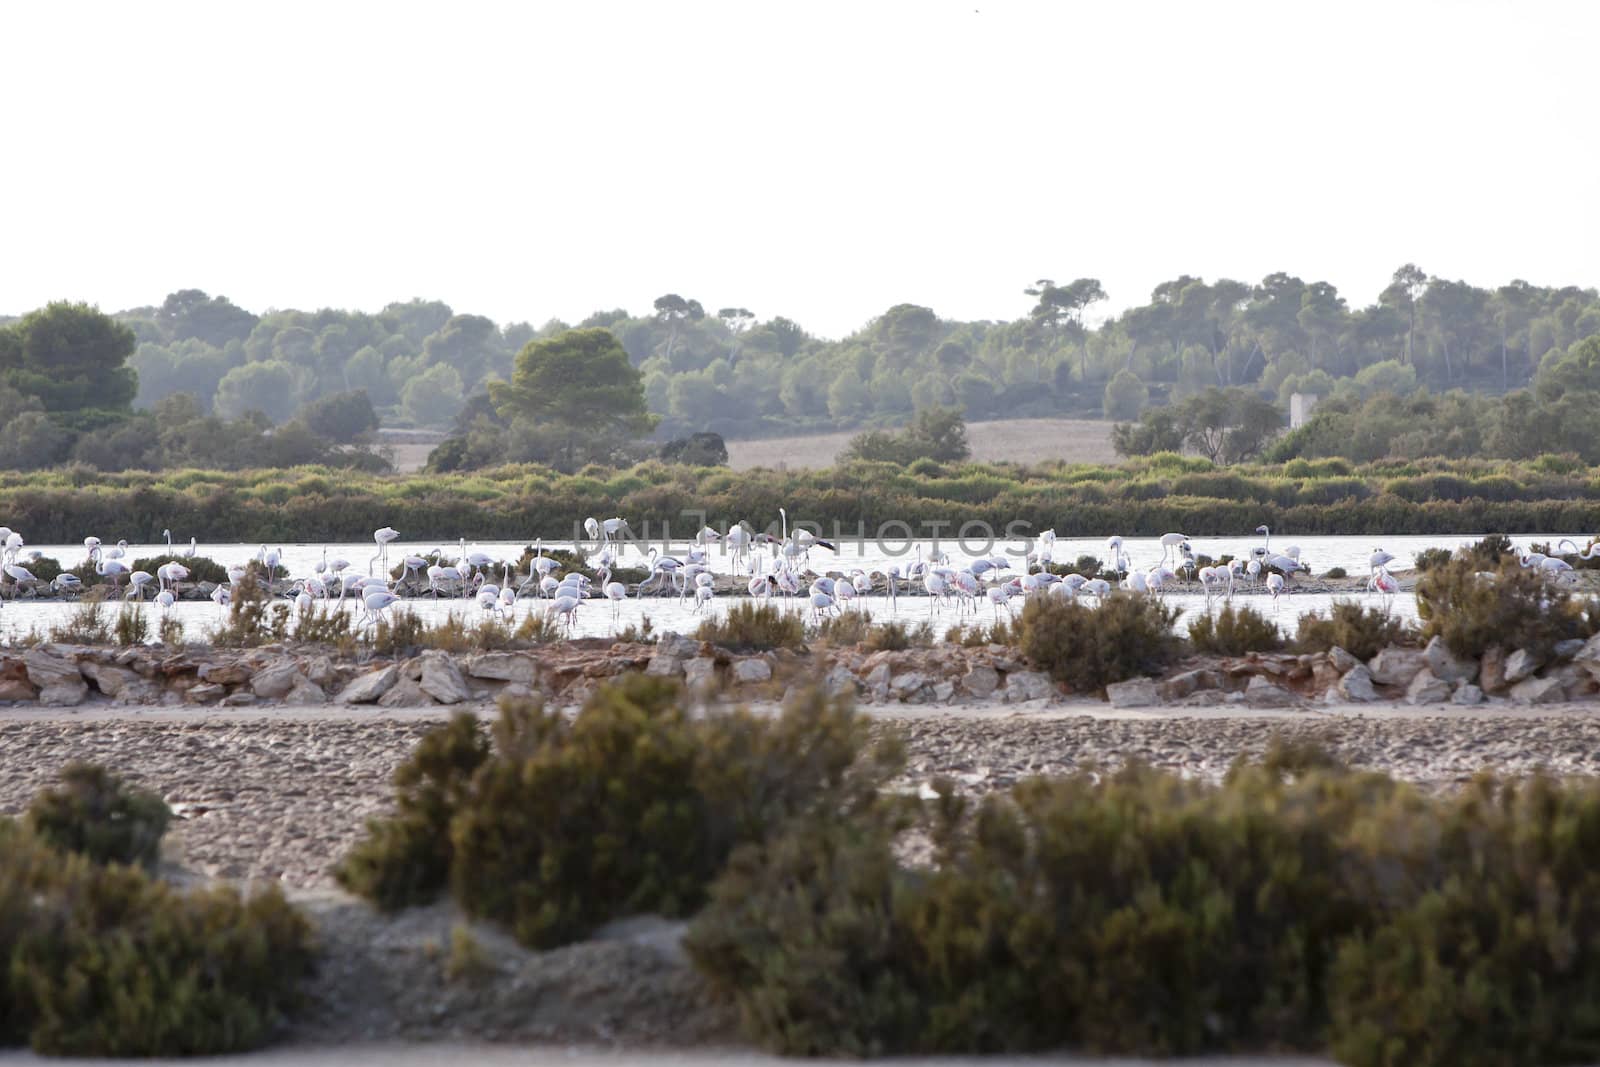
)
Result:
{"points": [[1300, 406]]}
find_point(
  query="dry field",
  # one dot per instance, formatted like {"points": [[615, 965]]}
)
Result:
{"points": [[1017, 440]]}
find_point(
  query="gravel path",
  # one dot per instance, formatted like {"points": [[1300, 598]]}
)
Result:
{"points": [[282, 795]]}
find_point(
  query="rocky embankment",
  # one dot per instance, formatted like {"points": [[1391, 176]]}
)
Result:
{"points": [[55, 675]]}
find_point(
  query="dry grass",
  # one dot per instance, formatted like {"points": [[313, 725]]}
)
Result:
{"points": [[1017, 440]]}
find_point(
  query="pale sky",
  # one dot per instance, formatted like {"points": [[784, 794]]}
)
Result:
{"points": [[820, 160]]}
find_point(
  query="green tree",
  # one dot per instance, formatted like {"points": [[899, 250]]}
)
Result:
{"points": [[433, 397], [580, 382], [1126, 395], [32, 441], [673, 310], [72, 357], [342, 417], [267, 387], [1405, 288], [1156, 431]]}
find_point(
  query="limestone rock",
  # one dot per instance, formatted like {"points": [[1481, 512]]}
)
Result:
{"points": [[1262, 693], [903, 685], [305, 693], [320, 670], [63, 694], [1134, 693], [45, 670], [701, 673], [13, 689], [274, 681], [1028, 685], [944, 691], [205, 693], [980, 682], [877, 681], [1356, 685], [1538, 691], [405, 693], [664, 666], [1446, 665], [503, 667], [241, 698], [841, 681], [1342, 661], [1520, 664], [108, 678], [1565, 650], [441, 679], [1426, 689], [370, 687], [1467, 695], [223, 672], [1182, 686], [677, 646], [753, 669], [1396, 666]]}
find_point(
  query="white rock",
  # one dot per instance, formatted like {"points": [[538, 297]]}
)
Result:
{"points": [[45, 670], [305, 693], [64, 694], [1028, 685], [700, 672], [1467, 694], [904, 685], [370, 687], [441, 679], [107, 678], [1342, 661], [1538, 691], [1134, 693], [274, 681], [980, 681], [1446, 665], [1520, 664], [664, 666], [754, 669], [1426, 689], [503, 667], [1356, 685], [1262, 693], [1396, 666]]}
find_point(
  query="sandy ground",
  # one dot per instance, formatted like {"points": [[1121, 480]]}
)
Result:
{"points": [[280, 794], [1018, 440]]}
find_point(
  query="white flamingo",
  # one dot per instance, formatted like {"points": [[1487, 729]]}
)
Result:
{"points": [[382, 537]]}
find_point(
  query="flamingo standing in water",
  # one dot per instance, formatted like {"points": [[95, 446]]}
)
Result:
{"points": [[382, 537]]}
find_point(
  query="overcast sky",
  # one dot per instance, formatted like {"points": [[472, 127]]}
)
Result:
{"points": [[821, 160]]}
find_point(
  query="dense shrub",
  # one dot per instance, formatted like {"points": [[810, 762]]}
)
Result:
{"points": [[1235, 631], [1508, 604], [96, 813], [1430, 558], [1360, 631], [1089, 648], [405, 858], [750, 626], [201, 569], [634, 805], [1296, 905], [103, 960], [86, 625]]}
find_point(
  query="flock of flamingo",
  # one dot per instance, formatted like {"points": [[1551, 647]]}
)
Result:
{"points": [[768, 565]]}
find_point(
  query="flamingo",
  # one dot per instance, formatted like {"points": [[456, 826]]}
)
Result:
{"points": [[111, 568], [222, 597], [1378, 560], [166, 600], [1275, 587], [1098, 588], [22, 576], [91, 548], [1170, 541], [382, 537], [737, 541], [566, 607], [375, 602], [615, 592], [1383, 582], [68, 584], [137, 580], [1592, 552]]}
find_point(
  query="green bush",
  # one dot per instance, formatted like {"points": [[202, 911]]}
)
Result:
{"points": [[95, 813], [405, 858], [1294, 906], [201, 568], [1471, 613], [1360, 631], [634, 805], [749, 626], [1090, 648], [1234, 632], [1497, 961], [1337, 572], [1429, 558], [103, 960], [132, 627]]}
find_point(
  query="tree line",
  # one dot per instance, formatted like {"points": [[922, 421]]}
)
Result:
{"points": [[730, 371]]}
